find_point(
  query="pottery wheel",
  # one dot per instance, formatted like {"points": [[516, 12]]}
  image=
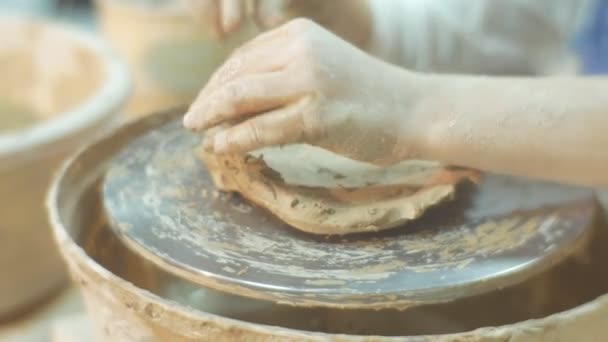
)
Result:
{"points": [[161, 201]]}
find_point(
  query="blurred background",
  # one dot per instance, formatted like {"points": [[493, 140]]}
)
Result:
{"points": [[73, 69], [73, 11], [89, 67]]}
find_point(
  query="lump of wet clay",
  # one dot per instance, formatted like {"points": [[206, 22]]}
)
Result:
{"points": [[319, 192]]}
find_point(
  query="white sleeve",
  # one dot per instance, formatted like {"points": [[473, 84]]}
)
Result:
{"points": [[476, 36]]}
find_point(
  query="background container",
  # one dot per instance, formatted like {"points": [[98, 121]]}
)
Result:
{"points": [[59, 87], [169, 52]]}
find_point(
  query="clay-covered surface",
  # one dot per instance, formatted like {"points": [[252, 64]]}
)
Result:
{"points": [[162, 203], [128, 300]]}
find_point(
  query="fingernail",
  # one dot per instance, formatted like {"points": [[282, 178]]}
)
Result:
{"points": [[193, 121]]}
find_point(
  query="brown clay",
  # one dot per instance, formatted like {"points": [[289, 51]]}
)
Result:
{"points": [[331, 210]]}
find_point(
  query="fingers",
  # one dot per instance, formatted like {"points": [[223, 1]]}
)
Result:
{"points": [[221, 17], [248, 95], [208, 11], [224, 17], [267, 58], [269, 51], [270, 13], [282, 126], [232, 14]]}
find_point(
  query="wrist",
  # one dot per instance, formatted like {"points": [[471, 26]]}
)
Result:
{"points": [[444, 115], [417, 114]]}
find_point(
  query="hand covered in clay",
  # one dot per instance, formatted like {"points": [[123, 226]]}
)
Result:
{"points": [[300, 83], [350, 19]]}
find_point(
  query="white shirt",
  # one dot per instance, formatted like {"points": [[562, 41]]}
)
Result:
{"points": [[478, 36]]}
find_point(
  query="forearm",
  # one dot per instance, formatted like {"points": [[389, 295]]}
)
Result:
{"points": [[551, 128]]}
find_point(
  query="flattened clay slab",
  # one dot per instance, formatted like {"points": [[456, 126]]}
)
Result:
{"points": [[332, 195]]}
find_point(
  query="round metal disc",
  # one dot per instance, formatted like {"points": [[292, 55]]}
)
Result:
{"points": [[160, 200]]}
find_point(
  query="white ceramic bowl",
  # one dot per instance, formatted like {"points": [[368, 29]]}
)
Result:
{"points": [[70, 87]]}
